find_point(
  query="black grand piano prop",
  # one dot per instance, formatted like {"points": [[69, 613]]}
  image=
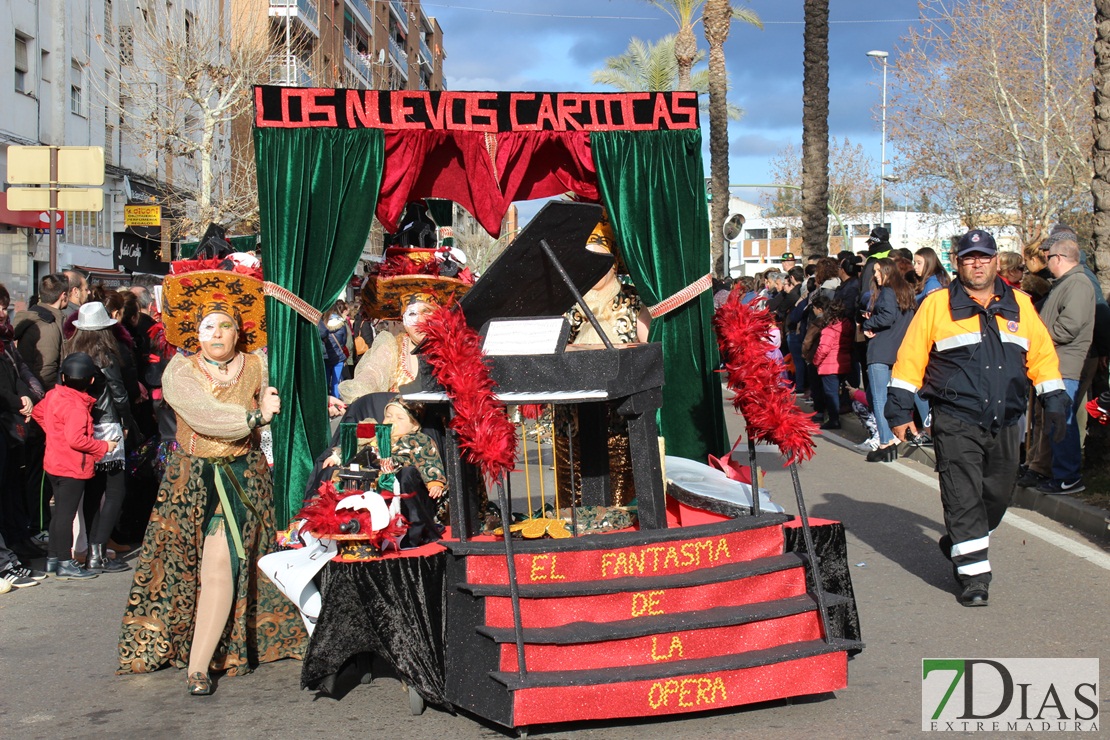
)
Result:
{"points": [[649, 622], [543, 274]]}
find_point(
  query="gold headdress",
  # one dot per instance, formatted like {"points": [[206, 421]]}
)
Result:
{"points": [[409, 275], [189, 297]]}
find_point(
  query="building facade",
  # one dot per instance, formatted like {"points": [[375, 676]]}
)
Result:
{"points": [[763, 240]]}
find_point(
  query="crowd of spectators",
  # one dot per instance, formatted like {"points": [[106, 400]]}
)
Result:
{"points": [[121, 331], [842, 320]]}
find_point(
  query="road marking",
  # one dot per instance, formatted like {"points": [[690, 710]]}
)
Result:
{"points": [[1079, 549]]}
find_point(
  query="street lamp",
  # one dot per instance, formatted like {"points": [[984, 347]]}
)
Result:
{"points": [[881, 56]]}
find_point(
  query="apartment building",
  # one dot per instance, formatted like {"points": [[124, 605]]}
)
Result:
{"points": [[67, 81], [367, 44]]}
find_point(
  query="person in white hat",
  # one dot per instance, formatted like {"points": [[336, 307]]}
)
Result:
{"points": [[112, 419]]}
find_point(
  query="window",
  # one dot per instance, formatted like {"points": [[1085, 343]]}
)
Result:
{"points": [[109, 136], [76, 87], [22, 67], [88, 228], [757, 233], [109, 22], [126, 46], [44, 65]]}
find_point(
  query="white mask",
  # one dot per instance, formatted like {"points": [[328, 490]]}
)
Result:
{"points": [[207, 329], [412, 316]]}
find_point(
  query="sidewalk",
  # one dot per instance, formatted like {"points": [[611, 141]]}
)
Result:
{"points": [[1067, 510]]}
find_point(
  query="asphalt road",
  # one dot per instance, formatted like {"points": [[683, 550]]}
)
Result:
{"points": [[1050, 599]]}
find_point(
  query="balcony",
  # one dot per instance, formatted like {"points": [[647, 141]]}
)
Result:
{"points": [[363, 13], [358, 65], [400, 56], [399, 10], [288, 71], [303, 10], [426, 54]]}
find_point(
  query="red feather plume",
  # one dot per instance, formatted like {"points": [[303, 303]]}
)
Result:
{"points": [[454, 351], [761, 396], [322, 519]]}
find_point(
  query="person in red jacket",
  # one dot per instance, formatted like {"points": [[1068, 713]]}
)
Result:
{"points": [[71, 452], [833, 358]]}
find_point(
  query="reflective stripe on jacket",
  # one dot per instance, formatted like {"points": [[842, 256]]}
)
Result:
{"points": [[974, 362]]}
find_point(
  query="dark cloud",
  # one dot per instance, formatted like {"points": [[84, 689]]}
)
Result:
{"points": [[528, 48]]}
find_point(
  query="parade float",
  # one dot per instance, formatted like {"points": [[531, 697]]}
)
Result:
{"points": [[710, 597]]}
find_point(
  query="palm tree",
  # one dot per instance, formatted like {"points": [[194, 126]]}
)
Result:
{"points": [[815, 128], [717, 19], [685, 42], [652, 66], [1101, 154], [1097, 444]]}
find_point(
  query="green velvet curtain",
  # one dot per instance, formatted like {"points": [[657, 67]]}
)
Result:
{"points": [[317, 191], [653, 184]]}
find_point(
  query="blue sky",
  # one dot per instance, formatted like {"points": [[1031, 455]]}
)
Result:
{"points": [[554, 46]]}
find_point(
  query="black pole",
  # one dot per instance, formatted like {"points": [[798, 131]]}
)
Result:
{"points": [[574, 291], [811, 553], [570, 458], [754, 472], [514, 587]]}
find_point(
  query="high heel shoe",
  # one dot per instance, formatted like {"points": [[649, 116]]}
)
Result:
{"points": [[200, 684], [883, 454]]}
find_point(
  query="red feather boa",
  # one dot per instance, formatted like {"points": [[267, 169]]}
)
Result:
{"points": [[486, 436], [765, 401]]}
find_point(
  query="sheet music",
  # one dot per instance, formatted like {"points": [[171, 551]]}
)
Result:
{"points": [[523, 336]]}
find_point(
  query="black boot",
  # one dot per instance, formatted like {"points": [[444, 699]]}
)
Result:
{"points": [[71, 570], [99, 562]]}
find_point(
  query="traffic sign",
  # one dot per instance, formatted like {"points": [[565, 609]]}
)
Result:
{"points": [[77, 165], [69, 199]]}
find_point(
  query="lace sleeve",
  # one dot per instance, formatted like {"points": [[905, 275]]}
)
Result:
{"points": [[187, 393]]}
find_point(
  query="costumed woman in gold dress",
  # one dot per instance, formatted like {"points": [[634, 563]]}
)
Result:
{"points": [[625, 320], [198, 600], [410, 285]]}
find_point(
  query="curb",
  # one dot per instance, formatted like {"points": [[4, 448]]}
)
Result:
{"points": [[1071, 512], [1078, 515]]}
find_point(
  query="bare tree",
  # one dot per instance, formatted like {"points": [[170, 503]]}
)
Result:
{"points": [[992, 110], [184, 77], [852, 187], [815, 127]]}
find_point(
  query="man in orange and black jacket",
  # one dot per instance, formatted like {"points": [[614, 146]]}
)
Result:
{"points": [[971, 351]]}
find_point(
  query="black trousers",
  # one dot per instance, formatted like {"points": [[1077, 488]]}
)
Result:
{"points": [[104, 495], [67, 497], [977, 469]]}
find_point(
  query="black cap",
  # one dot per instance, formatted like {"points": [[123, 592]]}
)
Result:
{"points": [[878, 235], [78, 366], [976, 240], [788, 256]]}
